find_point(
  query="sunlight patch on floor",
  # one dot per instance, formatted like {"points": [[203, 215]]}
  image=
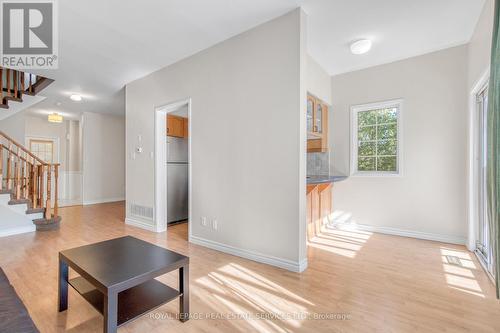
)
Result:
{"points": [[340, 240], [245, 292], [460, 277], [456, 270]]}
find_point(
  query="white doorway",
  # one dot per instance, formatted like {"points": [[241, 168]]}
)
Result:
{"points": [[169, 168], [479, 234], [483, 248]]}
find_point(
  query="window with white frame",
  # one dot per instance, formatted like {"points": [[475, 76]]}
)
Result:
{"points": [[376, 138], [43, 149]]}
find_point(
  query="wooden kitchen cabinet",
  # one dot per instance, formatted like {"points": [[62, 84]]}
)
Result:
{"points": [[177, 126], [317, 125], [319, 207], [325, 202]]}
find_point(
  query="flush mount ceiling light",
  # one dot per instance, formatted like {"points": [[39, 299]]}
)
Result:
{"points": [[361, 46], [76, 98], [55, 118]]}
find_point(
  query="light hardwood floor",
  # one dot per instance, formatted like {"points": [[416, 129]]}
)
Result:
{"points": [[378, 283]]}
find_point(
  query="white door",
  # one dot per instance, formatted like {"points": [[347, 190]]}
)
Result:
{"points": [[483, 248]]}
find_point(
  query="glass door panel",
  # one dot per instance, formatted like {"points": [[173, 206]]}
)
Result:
{"points": [[483, 247], [318, 119], [310, 110]]}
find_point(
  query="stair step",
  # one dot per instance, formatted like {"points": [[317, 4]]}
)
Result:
{"points": [[5, 198], [20, 208], [11, 222], [35, 216], [47, 224], [12, 98], [35, 210], [19, 202]]}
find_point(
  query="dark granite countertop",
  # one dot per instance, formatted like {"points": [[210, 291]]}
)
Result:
{"points": [[311, 180]]}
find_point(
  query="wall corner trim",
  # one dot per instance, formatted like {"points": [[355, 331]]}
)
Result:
{"points": [[139, 224], [287, 264]]}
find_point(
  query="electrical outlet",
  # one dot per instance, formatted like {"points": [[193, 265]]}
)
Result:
{"points": [[203, 221], [214, 224]]}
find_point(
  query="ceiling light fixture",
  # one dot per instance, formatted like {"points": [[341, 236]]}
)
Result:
{"points": [[76, 98], [55, 118], [361, 46]]}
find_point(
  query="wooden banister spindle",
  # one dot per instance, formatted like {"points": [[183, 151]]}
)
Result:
{"points": [[9, 169], [22, 82], [8, 81], [17, 166], [22, 169], [56, 183], [41, 171], [31, 84], [35, 184], [16, 81], [32, 181], [48, 200], [27, 178], [15, 177]]}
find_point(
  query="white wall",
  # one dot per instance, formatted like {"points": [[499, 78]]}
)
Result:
{"points": [[14, 126], [248, 140], [429, 200], [479, 47], [319, 83], [103, 158]]}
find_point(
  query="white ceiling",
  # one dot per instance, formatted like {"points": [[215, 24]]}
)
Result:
{"points": [[106, 44], [399, 29]]}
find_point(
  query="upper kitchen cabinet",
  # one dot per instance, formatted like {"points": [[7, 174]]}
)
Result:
{"points": [[177, 126], [310, 115], [317, 125]]}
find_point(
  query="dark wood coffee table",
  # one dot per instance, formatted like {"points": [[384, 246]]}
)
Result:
{"points": [[117, 278]]}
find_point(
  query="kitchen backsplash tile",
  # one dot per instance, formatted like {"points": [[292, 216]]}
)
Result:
{"points": [[318, 164]]}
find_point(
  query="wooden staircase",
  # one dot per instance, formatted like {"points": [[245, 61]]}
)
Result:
{"points": [[29, 181], [14, 84]]}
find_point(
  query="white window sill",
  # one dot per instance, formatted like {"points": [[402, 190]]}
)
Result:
{"points": [[377, 174]]}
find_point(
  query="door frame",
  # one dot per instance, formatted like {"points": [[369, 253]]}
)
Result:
{"points": [[56, 153], [472, 168], [160, 162]]}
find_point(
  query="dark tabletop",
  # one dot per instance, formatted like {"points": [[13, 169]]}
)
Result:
{"points": [[121, 259], [311, 180]]}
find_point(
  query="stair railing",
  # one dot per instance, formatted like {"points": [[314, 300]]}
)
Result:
{"points": [[28, 177], [14, 84]]}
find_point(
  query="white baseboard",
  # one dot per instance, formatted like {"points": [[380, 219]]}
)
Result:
{"points": [[69, 202], [105, 200], [17, 230], [140, 224], [252, 255], [404, 233]]}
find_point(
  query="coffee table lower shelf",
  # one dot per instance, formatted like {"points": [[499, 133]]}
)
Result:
{"points": [[132, 302]]}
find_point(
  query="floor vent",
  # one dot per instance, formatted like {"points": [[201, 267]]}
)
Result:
{"points": [[141, 211], [454, 260]]}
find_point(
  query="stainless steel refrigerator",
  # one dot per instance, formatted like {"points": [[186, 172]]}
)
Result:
{"points": [[177, 179]]}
